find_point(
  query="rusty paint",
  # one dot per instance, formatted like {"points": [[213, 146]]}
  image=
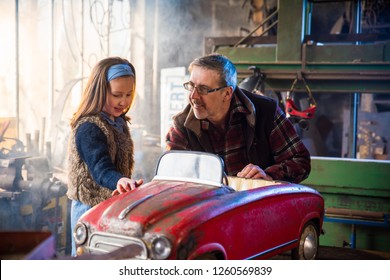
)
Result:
{"points": [[196, 216]]}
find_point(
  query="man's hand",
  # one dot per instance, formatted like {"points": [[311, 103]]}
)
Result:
{"points": [[126, 184], [252, 171]]}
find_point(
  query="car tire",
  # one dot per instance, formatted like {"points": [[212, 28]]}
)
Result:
{"points": [[208, 256], [308, 243]]}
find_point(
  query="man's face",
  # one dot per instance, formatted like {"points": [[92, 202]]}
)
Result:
{"points": [[213, 106]]}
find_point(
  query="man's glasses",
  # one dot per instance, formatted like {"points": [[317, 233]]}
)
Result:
{"points": [[202, 90]]}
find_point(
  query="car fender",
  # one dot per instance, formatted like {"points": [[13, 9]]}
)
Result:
{"points": [[313, 216], [208, 248]]}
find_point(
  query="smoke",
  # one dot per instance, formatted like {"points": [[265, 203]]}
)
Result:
{"points": [[43, 73]]}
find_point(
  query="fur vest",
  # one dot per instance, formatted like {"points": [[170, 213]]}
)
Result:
{"points": [[81, 186]]}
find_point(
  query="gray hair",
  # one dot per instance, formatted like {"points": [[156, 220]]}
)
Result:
{"points": [[219, 63]]}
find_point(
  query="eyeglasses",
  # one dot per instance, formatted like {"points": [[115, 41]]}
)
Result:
{"points": [[202, 90]]}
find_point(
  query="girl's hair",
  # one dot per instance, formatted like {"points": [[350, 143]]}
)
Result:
{"points": [[221, 64], [95, 93]]}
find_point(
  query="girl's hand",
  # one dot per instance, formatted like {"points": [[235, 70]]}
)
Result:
{"points": [[126, 184]]}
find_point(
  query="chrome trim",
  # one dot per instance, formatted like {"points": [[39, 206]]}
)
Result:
{"points": [[272, 249], [187, 180], [102, 242], [126, 211]]}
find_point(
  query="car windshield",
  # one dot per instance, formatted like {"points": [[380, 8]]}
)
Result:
{"points": [[190, 166]]}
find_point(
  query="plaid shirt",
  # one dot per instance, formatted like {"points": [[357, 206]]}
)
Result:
{"points": [[231, 146], [292, 159]]}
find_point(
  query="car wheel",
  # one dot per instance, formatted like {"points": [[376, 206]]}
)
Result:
{"points": [[308, 243]]}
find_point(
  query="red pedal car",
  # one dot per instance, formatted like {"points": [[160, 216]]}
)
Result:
{"points": [[191, 210]]}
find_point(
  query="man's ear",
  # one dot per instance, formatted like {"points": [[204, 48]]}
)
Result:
{"points": [[229, 93]]}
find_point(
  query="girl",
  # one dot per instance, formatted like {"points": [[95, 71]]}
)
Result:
{"points": [[101, 152]]}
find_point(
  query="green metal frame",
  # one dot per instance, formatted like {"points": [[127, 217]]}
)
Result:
{"points": [[364, 177], [351, 66]]}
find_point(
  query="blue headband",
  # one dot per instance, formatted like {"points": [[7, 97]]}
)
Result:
{"points": [[119, 70]]}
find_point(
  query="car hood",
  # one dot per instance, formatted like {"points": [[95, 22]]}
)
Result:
{"points": [[158, 204]]}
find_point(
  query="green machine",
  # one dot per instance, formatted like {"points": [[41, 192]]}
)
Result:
{"points": [[356, 192], [357, 201]]}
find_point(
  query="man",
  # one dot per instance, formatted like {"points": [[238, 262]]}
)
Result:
{"points": [[250, 132]]}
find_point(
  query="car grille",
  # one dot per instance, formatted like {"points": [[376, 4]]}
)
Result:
{"points": [[102, 242]]}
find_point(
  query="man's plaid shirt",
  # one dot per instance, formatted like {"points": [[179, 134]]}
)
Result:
{"points": [[292, 159]]}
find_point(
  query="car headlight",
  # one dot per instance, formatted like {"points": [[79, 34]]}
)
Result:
{"points": [[80, 233], [160, 247]]}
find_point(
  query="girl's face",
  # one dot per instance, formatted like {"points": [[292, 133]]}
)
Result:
{"points": [[119, 96]]}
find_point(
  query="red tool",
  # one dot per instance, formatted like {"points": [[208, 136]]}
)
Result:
{"points": [[293, 111]]}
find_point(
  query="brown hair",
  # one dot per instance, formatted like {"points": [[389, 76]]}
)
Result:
{"points": [[95, 93]]}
